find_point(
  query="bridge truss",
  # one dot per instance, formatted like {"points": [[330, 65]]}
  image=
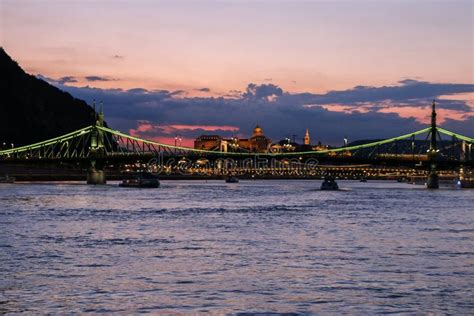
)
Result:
{"points": [[101, 142]]}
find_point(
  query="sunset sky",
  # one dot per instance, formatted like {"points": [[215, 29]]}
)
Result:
{"points": [[197, 67]]}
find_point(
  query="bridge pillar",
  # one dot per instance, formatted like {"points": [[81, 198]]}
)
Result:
{"points": [[433, 179], [94, 175]]}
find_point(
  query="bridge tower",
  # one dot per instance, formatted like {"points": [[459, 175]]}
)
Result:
{"points": [[433, 180], [307, 140], [96, 173]]}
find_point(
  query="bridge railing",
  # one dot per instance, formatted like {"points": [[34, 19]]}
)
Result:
{"points": [[48, 147], [165, 147], [452, 134]]}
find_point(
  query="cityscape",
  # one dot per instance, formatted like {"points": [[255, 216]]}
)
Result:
{"points": [[257, 143], [236, 158]]}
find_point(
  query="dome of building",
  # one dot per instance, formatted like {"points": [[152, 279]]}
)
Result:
{"points": [[257, 131]]}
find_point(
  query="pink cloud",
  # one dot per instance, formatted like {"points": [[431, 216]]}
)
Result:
{"points": [[423, 114], [468, 97], [161, 133], [334, 107], [183, 142], [143, 126]]}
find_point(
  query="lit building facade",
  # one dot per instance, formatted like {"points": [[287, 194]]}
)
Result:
{"points": [[258, 142], [208, 142], [307, 140]]}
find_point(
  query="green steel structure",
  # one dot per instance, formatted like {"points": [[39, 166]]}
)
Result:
{"points": [[98, 142], [105, 142]]}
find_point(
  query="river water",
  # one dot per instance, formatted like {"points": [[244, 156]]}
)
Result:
{"points": [[256, 246]]}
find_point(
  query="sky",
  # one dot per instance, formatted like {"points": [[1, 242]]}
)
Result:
{"points": [[357, 69]]}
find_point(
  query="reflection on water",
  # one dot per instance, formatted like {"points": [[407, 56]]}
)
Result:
{"points": [[256, 246]]}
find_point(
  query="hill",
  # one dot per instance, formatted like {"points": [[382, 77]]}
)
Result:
{"points": [[32, 110]]}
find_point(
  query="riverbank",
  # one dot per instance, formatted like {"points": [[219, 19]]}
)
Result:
{"points": [[75, 173]]}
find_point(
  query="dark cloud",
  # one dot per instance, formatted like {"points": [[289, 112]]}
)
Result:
{"points": [[137, 91], [456, 105], [280, 113], [409, 91], [204, 90], [72, 79], [98, 78], [262, 92], [60, 81], [466, 127], [67, 79], [410, 81], [44, 78], [178, 92]]}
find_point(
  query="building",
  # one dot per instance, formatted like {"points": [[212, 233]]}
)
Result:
{"points": [[258, 142], [307, 140], [208, 142]]}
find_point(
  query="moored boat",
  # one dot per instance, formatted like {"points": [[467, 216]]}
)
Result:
{"points": [[465, 184], [329, 184], [7, 179], [232, 179], [141, 180]]}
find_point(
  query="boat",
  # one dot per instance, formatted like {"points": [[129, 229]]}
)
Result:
{"points": [[141, 180], [363, 180], [465, 184], [7, 179], [329, 184], [232, 179]]}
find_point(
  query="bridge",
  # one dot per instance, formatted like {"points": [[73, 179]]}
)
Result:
{"points": [[99, 146]]}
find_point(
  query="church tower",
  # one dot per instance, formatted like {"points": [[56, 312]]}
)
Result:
{"points": [[307, 140]]}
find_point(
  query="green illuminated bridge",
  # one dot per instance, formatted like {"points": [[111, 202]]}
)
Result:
{"points": [[100, 145], [90, 140]]}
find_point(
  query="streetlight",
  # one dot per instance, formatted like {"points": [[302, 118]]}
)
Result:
{"points": [[175, 143], [234, 144], [288, 145]]}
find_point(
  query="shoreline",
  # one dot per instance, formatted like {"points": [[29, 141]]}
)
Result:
{"points": [[120, 177], [23, 173]]}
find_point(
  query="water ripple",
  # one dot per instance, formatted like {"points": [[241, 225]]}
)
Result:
{"points": [[260, 247]]}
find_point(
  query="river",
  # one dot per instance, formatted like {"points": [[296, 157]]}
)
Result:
{"points": [[256, 246]]}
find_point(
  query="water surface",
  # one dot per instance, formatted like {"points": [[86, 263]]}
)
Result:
{"points": [[255, 246]]}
